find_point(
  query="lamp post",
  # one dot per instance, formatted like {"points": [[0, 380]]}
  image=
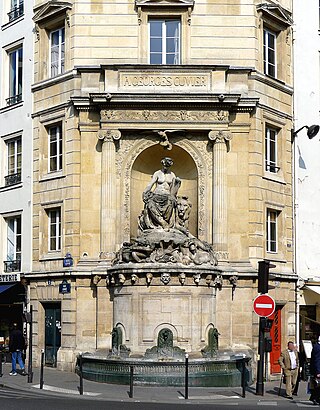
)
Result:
{"points": [[312, 131]]}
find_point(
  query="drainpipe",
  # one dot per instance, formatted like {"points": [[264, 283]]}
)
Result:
{"points": [[294, 260], [294, 191]]}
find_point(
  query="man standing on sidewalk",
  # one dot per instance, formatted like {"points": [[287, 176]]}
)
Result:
{"points": [[289, 362], [16, 346]]}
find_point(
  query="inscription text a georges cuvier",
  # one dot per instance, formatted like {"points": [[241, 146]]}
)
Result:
{"points": [[160, 80]]}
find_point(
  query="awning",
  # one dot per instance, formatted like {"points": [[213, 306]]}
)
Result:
{"points": [[3, 288], [314, 289]]}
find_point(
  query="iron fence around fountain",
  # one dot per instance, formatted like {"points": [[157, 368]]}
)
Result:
{"points": [[202, 372]]}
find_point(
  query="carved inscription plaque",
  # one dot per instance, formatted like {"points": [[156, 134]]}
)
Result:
{"points": [[176, 82]]}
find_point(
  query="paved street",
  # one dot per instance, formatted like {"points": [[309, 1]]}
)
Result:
{"points": [[12, 399], [61, 392]]}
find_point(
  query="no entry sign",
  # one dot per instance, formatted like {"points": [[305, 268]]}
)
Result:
{"points": [[264, 305]]}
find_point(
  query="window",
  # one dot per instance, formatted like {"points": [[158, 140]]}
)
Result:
{"points": [[55, 148], [52, 24], [57, 52], [271, 228], [164, 41], [13, 262], [54, 225], [271, 150], [14, 150], [15, 76], [16, 9], [269, 52], [275, 37]]}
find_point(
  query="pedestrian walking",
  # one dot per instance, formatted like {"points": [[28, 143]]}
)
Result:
{"points": [[315, 373], [289, 362], [16, 346]]}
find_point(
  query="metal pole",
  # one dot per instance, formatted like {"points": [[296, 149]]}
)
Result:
{"points": [[1, 374], [131, 382], [281, 378], [243, 378], [186, 383], [41, 369], [260, 367], [81, 374], [30, 372]]}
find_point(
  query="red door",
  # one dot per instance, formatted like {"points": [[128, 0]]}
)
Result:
{"points": [[276, 341]]}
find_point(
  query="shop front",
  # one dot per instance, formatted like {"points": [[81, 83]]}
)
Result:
{"points": [[12, 306], [310, 311]]}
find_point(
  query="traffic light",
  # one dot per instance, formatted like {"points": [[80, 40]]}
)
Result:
{"points": [[266, 324], [263, 276], [267, 344]]}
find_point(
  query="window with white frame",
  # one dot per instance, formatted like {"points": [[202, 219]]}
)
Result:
{"points": [[14, 157], [54, 229], [16, 9], [13, 262], [272, 230], [57, 48], [269, 52], [55, 148], [271, 136], [15, 76], [164, 41]]}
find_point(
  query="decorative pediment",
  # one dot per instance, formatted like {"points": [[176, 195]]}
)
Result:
{"points": [[50, 10], [164, 3], [276, 13]]}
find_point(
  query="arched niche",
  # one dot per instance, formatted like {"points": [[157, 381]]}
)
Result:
{"points": [[143, 168]]}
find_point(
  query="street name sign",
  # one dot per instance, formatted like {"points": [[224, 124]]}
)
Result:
{"points": [[264, 305], [11, 277]]}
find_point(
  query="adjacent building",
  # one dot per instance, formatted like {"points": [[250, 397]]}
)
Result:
{"points": [[307, 190], [16, 67]]}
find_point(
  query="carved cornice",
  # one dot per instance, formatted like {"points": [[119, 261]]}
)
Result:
{"points": [[166, 116], [50, 9], [220, 136], [276, 13], [109, 135], [164, 3]]}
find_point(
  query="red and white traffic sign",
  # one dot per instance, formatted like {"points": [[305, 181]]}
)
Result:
{"points": [[264, 305]]}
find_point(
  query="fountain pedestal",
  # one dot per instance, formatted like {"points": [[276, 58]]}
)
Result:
{"points": [[148, 298]]}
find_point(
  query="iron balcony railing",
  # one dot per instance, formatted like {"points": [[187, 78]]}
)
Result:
{"points": [[14, 99], [12, 179], [16, 12], [12, 266]]}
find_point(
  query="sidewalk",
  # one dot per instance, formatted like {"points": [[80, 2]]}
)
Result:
{"points": [[65, 383]]}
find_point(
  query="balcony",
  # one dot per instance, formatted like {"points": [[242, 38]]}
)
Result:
{"points": [[15, 99], [12, 179], [271, 167], [16, 12], [12, 266]]}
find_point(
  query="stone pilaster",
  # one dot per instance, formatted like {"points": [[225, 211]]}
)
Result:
{"points": [[220, 191], [108, 222]]}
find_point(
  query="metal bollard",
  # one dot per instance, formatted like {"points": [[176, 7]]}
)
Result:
{"points": [[1, 355], [30, 371], [243, 377], [131, 382], [80, 374], [41, 369], [186, 384]]}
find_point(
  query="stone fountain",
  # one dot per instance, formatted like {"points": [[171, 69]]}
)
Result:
{"points": [[163, 285]]}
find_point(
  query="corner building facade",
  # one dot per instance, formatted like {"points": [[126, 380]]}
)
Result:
{"points": [[116, 84]]}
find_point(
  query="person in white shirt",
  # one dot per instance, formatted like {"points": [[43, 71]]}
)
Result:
{"points": [[289, 362]]}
